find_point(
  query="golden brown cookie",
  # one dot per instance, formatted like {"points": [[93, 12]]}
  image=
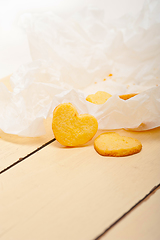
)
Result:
{"points": [[99, 97], [127, 96], [70, 128], [112, 144]]}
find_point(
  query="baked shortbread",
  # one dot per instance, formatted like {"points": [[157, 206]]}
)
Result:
{"points": [[70, 128], [99, 97], [112, 144], [127, 96]]}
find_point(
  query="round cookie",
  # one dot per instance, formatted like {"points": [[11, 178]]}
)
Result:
{"points": [[99, 97], [70, 128], [112, 144]]}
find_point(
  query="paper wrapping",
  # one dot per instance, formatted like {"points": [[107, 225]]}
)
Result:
{"points": [[80, 55]]}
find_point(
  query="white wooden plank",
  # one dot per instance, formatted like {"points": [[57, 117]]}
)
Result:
{"points": [[14, 147], [140, 224], [74, 193]]}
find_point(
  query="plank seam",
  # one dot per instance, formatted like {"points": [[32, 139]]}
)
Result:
{"points": [[28, 155], [134, 206]]}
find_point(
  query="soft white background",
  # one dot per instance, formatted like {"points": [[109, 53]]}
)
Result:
{"points": [[14, 50]]}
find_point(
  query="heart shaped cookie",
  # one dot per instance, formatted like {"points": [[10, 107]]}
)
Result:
{"points": [[112, 144], [99, 97], [70, 128]]}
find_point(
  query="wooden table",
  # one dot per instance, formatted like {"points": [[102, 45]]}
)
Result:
{"points": [[48, 191]]}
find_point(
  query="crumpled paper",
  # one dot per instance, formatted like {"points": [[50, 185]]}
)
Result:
{"points": [[80, 55]]}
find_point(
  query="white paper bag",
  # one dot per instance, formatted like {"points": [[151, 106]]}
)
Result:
{"points": [[80, 55]]}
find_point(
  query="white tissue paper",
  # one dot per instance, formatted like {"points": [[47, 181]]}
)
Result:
{"points": [[81, 55]]}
